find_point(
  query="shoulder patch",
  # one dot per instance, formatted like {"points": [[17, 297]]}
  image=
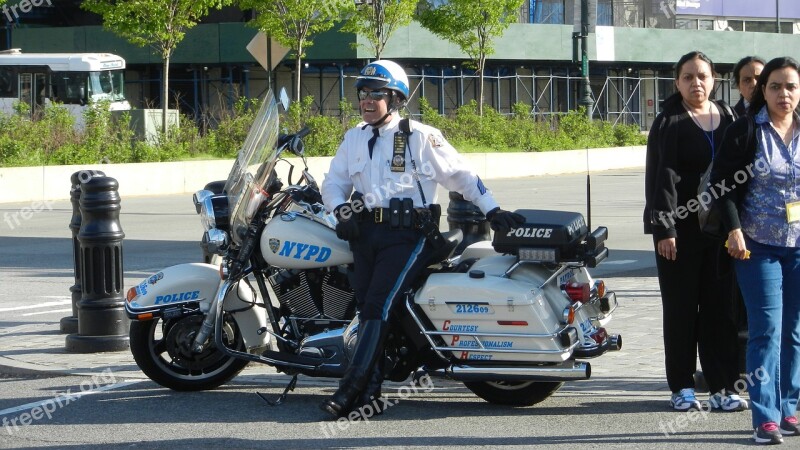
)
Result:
{"points": [[481, 187], [436, 140]]}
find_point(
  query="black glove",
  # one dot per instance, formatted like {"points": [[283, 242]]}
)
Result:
{"points": [[347, 228], [504, 219]]}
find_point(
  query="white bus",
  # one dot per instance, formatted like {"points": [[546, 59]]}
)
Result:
{"points": [[74, 80]]}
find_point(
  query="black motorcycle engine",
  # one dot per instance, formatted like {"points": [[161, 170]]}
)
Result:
{"points": [[314, 293]]}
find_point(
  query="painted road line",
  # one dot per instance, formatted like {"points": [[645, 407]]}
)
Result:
{"points": [[68, 397], [46, 312], [38, 305]]}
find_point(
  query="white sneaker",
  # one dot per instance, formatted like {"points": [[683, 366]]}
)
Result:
{"points": [[684, 400], [728, 402]]}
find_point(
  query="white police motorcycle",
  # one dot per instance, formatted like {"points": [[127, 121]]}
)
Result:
{"points": [[510, 318]]}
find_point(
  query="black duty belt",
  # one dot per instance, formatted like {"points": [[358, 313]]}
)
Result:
{"points": [[402, 216], [384, 215]]}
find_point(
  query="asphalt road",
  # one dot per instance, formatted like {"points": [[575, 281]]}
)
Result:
{"points": [[622, 406]]}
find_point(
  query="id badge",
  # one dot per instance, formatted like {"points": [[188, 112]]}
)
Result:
{"points": [[398, 163], [792, 208]]}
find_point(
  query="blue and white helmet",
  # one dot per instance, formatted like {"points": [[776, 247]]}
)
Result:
{"points": [[384, 74]]}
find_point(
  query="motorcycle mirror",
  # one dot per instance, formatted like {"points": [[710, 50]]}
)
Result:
{"points": [[284, 99]]}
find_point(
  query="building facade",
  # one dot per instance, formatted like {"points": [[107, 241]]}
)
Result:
{"points": [[632, 51]]}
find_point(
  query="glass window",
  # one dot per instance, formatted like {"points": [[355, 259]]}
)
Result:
{"points": [[549, 11], [7, 83], [686, 24], [736, 25], [26, 88], [704, 24], [107, 85], [69, 88], [605, 13], [766, 26]]}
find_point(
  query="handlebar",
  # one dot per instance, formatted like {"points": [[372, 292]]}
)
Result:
{"points": [[294, 142]]}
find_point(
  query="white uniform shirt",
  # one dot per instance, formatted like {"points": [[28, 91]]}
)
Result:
{"points": [[436, 160]]}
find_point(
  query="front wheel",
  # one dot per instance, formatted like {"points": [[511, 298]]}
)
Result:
{"points": [[513, 393], [162, 350]]}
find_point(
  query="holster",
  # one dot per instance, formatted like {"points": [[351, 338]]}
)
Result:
{"points": [[428, 223]]}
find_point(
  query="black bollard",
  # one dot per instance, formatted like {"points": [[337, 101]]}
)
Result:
{"points": [[102, 323], [464, 215], [69, 324]]}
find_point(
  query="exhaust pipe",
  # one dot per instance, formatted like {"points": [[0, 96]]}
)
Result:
{"points": [[615, 342], [570, 371]]}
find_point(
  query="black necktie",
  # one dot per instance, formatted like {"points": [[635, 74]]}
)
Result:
{"points": [[371, 142]]}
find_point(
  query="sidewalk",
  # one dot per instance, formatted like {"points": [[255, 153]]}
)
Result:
{"points": [[39, 348]]}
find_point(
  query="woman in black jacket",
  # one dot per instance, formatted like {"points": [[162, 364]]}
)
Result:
{"points": [[695, 292], [745, 77]]}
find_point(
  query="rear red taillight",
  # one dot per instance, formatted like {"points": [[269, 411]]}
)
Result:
{"points": [[600, 336], [578, 292]]}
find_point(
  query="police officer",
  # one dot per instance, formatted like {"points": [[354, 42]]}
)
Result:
{"points": [[393, 165]]}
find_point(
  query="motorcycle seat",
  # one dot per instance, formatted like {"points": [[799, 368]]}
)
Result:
{"points": [[452, 238]]}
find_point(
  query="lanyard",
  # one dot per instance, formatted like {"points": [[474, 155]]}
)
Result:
{"points": [[792, 147], [708, 134]]}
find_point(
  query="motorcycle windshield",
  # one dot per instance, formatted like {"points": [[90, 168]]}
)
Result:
{"points": [[253, 169]]}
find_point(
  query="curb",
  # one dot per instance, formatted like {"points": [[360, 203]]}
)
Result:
{"points": [[46, 183], [13, 367]]}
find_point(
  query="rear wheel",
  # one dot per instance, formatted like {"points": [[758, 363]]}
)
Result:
{"points": [[163, 350], [513, 393]]}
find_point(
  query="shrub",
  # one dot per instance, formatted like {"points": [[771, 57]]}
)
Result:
{"points": [[226, 140], [52, 137]]}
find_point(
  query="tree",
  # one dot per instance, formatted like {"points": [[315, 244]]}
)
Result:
{"points": [[472, 25], [376, 20], [293, 22], [162, 24]]}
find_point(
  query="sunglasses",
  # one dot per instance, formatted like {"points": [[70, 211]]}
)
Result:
{"points": [[374, 95]]}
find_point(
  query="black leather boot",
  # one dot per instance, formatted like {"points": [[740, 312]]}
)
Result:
{"points": [[369, 348], [369, 399]]}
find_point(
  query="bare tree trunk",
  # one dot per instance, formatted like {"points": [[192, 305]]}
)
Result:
{"points": [[481, 64], [297, 66], [165, 96], [379, 38]]}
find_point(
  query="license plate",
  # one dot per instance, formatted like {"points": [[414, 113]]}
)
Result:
{"points": [[471, 308], [586, 326], [566, 276]]}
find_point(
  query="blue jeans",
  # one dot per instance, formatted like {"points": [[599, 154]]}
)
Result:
{"points": [[770, 284]]}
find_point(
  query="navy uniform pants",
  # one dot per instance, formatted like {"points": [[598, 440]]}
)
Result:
{"points": [[385, 262]]}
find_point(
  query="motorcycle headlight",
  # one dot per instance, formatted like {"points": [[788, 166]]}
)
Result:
{"points": [[214, 212], [207, 214]]}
